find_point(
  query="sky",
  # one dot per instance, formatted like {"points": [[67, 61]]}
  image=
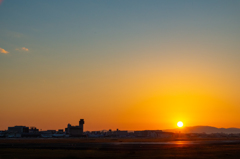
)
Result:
{"points": [[128, 65]]}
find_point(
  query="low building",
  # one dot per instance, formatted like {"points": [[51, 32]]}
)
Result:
{"points": [[33, 130], [60, 131], [148, 133], [2, 134], [120, 133], [166, 135], [52, 131], [46, 134], [140, 133], [18, 129]]}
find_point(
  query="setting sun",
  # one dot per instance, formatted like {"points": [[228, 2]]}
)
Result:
{"points": [[180, 124]]}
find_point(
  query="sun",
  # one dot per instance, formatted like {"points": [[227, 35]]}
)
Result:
{"points": [[180, 124]]}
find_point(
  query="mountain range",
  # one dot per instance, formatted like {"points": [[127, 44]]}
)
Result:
{"points": [[204, 129]]}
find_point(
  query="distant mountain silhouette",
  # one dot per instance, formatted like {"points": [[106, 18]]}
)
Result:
{"points": [[205, 129]]}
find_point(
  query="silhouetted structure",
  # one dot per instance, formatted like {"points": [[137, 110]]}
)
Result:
{"points": [[148, 133], [18, 129], [75, 130], [33, 130]]}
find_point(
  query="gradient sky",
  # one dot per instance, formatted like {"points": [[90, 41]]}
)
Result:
{"points": [[131, 65]]}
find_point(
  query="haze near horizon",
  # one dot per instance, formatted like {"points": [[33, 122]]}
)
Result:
{"points": [[131, 65]]}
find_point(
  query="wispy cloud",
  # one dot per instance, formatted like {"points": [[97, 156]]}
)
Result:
{"points": [[22, 49], [1, 1], [12, 34], [2, 50]]}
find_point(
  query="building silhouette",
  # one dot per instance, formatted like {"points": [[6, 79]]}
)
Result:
{"points": [[75, 130], [18, 129]]}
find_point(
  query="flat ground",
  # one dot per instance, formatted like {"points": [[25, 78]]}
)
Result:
{"points": [[118, 148]]}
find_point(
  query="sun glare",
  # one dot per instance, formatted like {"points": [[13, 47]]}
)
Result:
{"points": [[180, 124]]}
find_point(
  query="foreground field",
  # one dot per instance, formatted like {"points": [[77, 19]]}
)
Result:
{"points": [[105, 140], [116, 148]]}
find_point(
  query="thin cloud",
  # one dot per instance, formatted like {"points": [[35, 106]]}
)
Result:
{"points": [[22, 49], [13, 34], [1, 1], [3, 51]]}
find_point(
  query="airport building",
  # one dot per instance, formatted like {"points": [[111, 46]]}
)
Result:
{"points": [[18, 129], [75, 130]]}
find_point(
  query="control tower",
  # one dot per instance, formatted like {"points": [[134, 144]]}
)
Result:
{"points": [[76, 131], [81, 122]]}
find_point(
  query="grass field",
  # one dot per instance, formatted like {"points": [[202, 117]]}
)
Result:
{"points": [[104, 140], [75, 148]]}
